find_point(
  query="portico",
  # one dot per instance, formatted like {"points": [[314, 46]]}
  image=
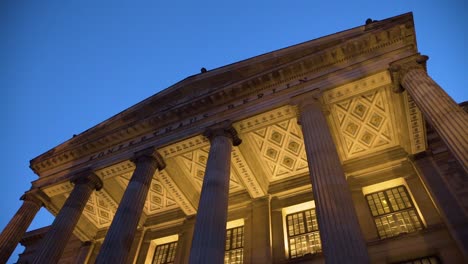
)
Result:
{"points": [[256, 159]]}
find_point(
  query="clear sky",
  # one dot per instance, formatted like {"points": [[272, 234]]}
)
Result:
{"points": [[65, 66]]}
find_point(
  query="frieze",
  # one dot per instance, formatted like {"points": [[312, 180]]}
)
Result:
{"points": [[250, 90]]}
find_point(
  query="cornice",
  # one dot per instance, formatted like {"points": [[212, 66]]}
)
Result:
{"points": [[365, 45]]}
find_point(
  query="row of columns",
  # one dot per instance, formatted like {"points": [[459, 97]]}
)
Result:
{"points": [[342, 241], [450, 122], [120, 236]]}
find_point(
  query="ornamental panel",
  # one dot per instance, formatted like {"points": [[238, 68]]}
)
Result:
{"points": [[157, 200], [193, 163], [100, 209], [363, 123], [280, 147]]}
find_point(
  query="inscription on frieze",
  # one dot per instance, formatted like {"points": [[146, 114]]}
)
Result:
{"points": [[198, 118]]}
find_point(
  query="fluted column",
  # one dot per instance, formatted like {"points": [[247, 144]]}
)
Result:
{"points": [[15, 229], [451, 211], [340, 233], [119, 238], [52, 245], [210, 226], [438, 108]]}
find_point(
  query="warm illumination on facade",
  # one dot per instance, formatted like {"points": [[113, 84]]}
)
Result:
{"points": [[320, 152]]}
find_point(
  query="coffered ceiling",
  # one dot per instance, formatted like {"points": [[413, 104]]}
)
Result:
{"points": [[364, 117]]}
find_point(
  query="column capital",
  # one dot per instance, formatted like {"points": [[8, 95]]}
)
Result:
{"points": [[149, 154], [308, 101], [225, 129], [88, 177], [399, 68], [36, 196]]}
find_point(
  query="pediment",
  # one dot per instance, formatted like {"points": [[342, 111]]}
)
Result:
{"points": [[195, 95]]}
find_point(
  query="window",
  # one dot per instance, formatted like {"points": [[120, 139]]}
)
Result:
{"points": [[424, 260], [234, 246], [394, 212], [303, 233], [165, 253]]}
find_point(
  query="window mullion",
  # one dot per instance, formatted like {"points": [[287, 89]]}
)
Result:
{"points": [[390, 207]]}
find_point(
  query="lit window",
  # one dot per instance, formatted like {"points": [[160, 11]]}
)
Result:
{"points": [[394, 212], [234, 246], [165, 253], [425, 260], [303, 233]]}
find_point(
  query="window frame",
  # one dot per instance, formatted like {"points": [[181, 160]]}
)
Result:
{"points": [[315, 232], [392, 212], [231, 242], [167, 254]]}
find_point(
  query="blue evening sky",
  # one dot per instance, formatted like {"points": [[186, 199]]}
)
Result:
{"points": [[67, 65]]}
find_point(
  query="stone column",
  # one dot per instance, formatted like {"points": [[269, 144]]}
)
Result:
{"points": [[210, 226], [260, 235], [52, 245], [368, 228], [185, 240], [446, 117], [277, 234], [94, 252], [85, 250], [453, 214], [18, 225], [136, 245], [119, 238], [144, 249], [340, 233]]}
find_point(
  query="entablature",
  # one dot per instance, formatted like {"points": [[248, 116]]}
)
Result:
{"points": [[189, 112]]}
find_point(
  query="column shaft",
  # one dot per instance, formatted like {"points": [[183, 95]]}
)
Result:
{"points": [[210, 226], [342, 241], [119, 238], [18, 225], [185, 241], [278, 254], [369, 231], [85, 250], [136, 245], [260, 235], [52, 245], [209, 235], [441, 111], [453, 214]]}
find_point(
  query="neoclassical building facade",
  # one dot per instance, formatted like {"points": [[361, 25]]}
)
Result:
{"points": [[337, 150]]}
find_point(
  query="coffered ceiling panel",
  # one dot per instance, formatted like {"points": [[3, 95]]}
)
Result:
{"points": [[363, 124], [193, 163], [280, 148], [100, 209], [157, 200]]}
